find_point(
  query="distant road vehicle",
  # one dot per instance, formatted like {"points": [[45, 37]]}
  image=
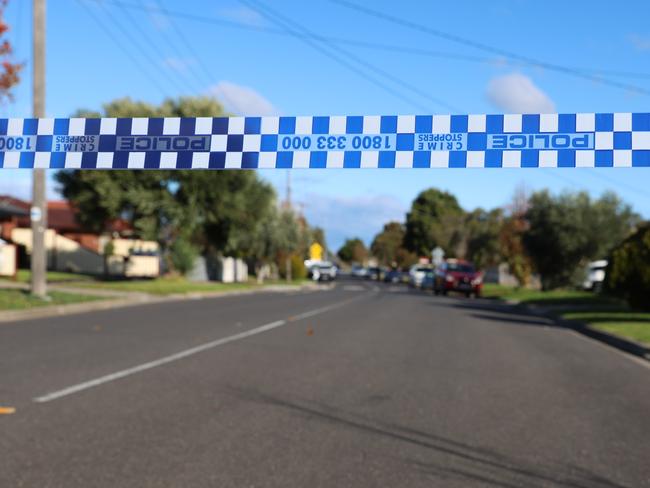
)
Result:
{"points": [[429, 280], [359, 271], [457, 275], [323, 271], [417, 274], [595, 275], [393, 276], [374, 273]]}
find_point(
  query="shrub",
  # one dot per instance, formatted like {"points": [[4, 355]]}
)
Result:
{"points": [[183, 254], [628, 272], [298, 269]]}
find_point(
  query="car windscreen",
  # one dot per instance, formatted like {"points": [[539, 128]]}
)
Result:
{"points": [[461, 268]]}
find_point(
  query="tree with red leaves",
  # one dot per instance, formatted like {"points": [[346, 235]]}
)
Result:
{"points": [[10, 73]]}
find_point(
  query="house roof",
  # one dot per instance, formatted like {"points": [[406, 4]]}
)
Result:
{"points": [[61, 215], [11, 207]]}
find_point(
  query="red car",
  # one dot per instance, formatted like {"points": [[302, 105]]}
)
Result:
{"points": [[457, 275]]}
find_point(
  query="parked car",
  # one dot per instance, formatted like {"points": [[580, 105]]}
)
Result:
{"points": [[374, 273], [417, 274], [323, 271], [393, 276], [457, 275], [429, 280], [595, 275], [359, 271]]}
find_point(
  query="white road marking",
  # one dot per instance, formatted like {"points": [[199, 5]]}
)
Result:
{"points": [[183, 354], [353, 288]]}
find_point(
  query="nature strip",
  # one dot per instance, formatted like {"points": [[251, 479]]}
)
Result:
{"points": [[387, 141]]}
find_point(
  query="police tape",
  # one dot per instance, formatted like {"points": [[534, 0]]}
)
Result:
{"points": [[391, 141]]}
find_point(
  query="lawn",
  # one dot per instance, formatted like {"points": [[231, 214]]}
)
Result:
{"points": [[158, 286], [552, 297], [24, 276], [170, 286], [11, 299], [599, 312], [633, 325]]}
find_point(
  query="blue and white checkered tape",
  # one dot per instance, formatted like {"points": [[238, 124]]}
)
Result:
{"points": [[392, 141]]}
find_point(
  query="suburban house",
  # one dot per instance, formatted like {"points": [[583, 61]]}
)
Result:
{"points": [[9, 215], [74, 249]]}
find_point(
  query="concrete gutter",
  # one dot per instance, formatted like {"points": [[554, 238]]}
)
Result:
{"points": [[120, 299], [627, 345]]}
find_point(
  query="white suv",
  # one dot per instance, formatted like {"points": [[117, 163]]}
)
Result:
{"points": [[417, 272]]}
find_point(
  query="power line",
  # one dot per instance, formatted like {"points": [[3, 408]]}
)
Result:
{"points": [[280, 19], [378, 46], [486, 47], [188, 46], [134, 42], [123, 48], [184, 75], [620, 184]]}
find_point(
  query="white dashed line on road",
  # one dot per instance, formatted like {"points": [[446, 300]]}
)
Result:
{"points": [[183, 354]]}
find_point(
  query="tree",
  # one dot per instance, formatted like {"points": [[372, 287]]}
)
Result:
{"points": [[566, 231], [628, 271], [318, 235], [386, 245], [511, 245], [223, 208], [481, 237], [10, 73], [353, 251], [212, 211], [435, 219]]}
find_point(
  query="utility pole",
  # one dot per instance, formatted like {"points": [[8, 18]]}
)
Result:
{"points": [[38, 212]]}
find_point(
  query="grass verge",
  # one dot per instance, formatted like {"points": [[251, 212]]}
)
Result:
{"points": [[599, 312], [24, 276], [171, 286], [11, 299]]}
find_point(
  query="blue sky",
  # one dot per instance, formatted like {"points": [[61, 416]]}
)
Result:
{"points": [[256, 71]]}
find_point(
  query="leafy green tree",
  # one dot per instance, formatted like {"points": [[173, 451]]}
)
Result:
{"points": [[223, 208], [386, 244], [183, 254], [628, 271], [318, 235], [213, 211], [566, 231], [481, 237], [353, 251], [435, 219]]}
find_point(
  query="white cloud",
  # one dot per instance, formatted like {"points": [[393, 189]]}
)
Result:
{"points": [[516, 93], [178, 64], [242, 100], [642, 43], [243, 14], [345, 217], [158, 19]]}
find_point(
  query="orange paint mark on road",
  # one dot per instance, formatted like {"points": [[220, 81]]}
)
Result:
{"points": [[7, 410]]}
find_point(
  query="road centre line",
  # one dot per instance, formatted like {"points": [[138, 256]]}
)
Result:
{"points": [[186, 353]]}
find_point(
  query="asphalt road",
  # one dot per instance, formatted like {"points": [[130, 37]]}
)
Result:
{"points": [[357, 386]]}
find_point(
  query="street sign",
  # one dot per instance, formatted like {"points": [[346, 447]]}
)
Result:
{"points": [[316, 252], [437, 255], [392, 141]]}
